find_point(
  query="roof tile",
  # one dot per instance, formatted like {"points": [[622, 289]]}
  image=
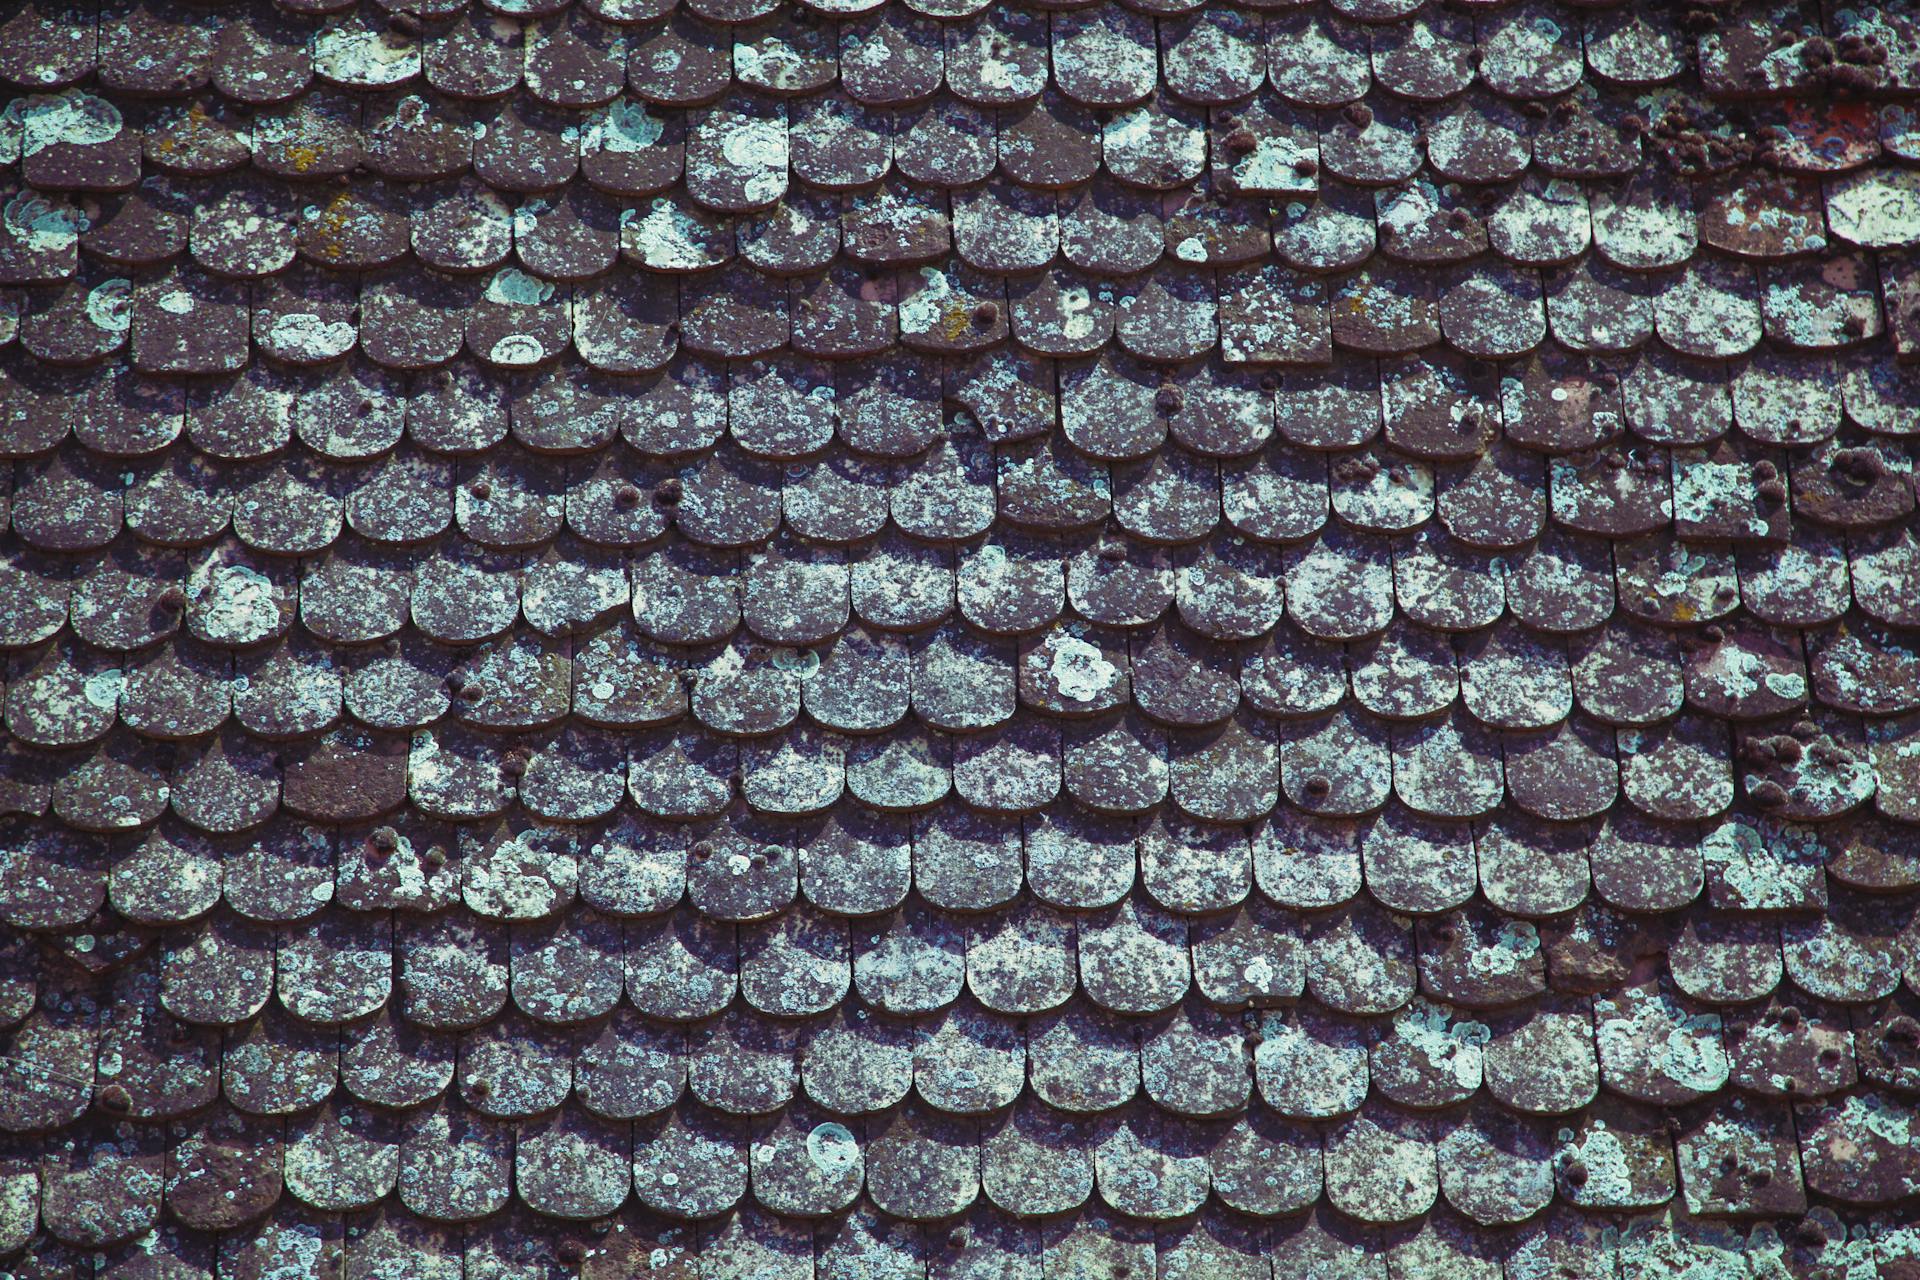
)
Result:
{"points": [[856, 486], [1641, 862], [455, 1164], [49, 46], [1783, 1050], [1360, 1150], [262, 58], [921, 1165], [1628, 1026], [1645, 1176], [1883, 1172], [1151, 1165], [1036, 1160], [1566, 774], [891, 56]]}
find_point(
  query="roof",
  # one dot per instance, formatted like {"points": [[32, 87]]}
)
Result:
{"points": [[921, 638]]}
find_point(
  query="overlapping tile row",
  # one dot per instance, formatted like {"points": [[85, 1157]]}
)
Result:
{"points": [[935, 639]]}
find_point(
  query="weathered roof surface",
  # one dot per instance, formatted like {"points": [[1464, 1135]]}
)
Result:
{"points": [[920, 638]]}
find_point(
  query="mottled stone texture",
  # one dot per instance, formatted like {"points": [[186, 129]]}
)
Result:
{"points": [[865, 639]]}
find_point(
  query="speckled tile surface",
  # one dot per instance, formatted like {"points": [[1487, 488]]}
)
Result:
{"points": [[919, 638]]}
